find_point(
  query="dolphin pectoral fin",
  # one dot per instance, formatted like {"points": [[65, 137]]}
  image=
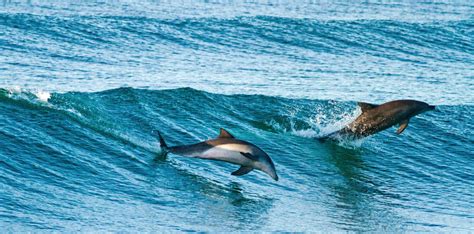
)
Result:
{"points": [[249, 156], [402, 127], [224, 134], [366, 106], [242, 171]]}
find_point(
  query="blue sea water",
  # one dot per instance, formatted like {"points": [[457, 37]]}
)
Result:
{"points": [[83, 84]]}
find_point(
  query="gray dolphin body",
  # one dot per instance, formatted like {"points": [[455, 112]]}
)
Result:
{"points": [[376, 118], [228, 149]]}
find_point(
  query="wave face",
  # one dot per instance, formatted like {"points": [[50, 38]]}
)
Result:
{"points": [[84, 83], [89, 161]]}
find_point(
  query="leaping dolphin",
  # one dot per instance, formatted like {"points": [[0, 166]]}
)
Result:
{"points": [[376, 118], [228, 149]]}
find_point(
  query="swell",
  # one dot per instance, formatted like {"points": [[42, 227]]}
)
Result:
{"points": [[139, 106], [241, 55], [100, 147], [264, 33], [130, 115]]}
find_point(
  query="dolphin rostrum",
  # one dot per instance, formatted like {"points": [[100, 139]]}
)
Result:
{"points": [[376, 118], [228, 149]]}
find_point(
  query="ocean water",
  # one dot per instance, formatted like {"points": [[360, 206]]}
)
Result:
{"points": [[83, 85]]}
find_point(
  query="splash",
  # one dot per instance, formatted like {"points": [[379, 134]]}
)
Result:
{"points": [[319, 121], [338, 117], [16, 92], [43, 96]]}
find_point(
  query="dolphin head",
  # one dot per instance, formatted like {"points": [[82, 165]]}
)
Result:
{"points": [[420, 107], [426, 107], [266, 165]]}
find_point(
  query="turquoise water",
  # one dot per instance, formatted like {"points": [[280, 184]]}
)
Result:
{"points": [[84, 84]]}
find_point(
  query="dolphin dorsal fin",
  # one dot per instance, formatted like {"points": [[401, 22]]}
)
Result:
{"points": [[366, 106], [224, 134]]}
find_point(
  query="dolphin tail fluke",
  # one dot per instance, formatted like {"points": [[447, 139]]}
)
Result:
{"points": [[163, 146]]}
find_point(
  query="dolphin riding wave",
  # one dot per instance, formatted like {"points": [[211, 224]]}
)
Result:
{"points": [[228, 149], [376, 118]]}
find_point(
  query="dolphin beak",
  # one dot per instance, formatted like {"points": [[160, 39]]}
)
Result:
{"points": [[275, 177], [433, 108], [272, 173]]}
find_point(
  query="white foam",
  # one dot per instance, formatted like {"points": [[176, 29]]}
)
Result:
{"points": [[322, 123], [307, 133], [43, 96], [349, 142], [74, 111], [18, 92], [326, 123], [15, 89]]}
